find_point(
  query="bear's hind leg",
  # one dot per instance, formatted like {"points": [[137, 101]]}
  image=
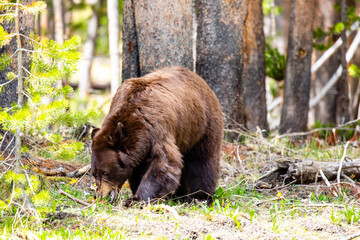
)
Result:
{"points": [[201, 169]]}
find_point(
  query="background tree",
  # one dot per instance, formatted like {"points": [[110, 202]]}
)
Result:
{"points": [[89, 50], [156, 34], [220, 52], [324, 19], [114, 36], [10, 95], [253, 80], [342, 98], [59, 20], [294, 113]]}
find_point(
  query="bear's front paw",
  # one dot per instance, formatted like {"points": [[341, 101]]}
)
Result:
{"points": [[132, 201]]}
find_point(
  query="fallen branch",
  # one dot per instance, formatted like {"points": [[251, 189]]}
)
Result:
{"points": [[79, 172], [74, 198], [306, 171]]}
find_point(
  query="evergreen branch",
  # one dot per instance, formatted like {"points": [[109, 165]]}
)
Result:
{"points": [[7, 14], [6, 83], [12, 139], [28, 50], [13, 4], [32, 75], [30, 99], [4, 137], [27, 178], [10, 56], [24, 36], [12, 150]]}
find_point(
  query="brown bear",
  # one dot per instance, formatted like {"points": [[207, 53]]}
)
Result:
{"points": [[163, 134]]}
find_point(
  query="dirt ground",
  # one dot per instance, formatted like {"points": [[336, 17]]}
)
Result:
{"points": [[283, 212]]}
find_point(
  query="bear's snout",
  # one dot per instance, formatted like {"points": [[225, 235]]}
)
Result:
{"points": [[104, 189]]}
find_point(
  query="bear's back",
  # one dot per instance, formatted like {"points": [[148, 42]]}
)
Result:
{"points": [[172, 100]]}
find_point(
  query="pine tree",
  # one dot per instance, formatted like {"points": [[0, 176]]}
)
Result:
{"points": [[32, 118]]}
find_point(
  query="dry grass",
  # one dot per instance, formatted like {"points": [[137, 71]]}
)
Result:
{"points": [[241, 212]]}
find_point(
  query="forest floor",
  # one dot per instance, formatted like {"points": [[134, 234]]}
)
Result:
{"points": [[240, 210]]}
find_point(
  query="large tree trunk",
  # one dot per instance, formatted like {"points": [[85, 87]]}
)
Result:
{"points": [[294, 113], [156, 34], [9, 94], [220, 53], [325, 18], [89, 51], [114, 36], [254, 69]]}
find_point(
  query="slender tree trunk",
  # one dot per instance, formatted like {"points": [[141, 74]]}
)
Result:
{"points": [[59, 30], [342, 98], [10, 93], [325, 17], [220, 53], [58, 6], [295, 109], [89, 51], [254, 69], [354, 86], [114, 35], [20, 87]]}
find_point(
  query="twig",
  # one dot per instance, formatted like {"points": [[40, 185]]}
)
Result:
{"points": [[352, 236], [349, 123], [12, 139], [322, 205], [269, 200], [269, 173], [74, 198], [324, 178], [341, 162], [3, 139], [8, 82], [347, 178]]}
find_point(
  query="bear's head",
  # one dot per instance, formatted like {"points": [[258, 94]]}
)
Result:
{"points": [[109, 165]]}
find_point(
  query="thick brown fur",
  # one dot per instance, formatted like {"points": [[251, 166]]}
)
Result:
{"points": [[163, 134]]}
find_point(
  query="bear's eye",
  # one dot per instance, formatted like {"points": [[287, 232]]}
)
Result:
{"points": [[104, 173]]}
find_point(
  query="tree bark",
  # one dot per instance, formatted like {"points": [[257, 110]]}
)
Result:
{"points": [[254, 69], [220, 53], [325, 18], [114, 35], [130, 54], [294, 113], [9, 94], [342, 98], [156, 34], [89, 51]]}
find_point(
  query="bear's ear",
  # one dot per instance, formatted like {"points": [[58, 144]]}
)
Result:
{"points": [[94, 131], [118, 134]]}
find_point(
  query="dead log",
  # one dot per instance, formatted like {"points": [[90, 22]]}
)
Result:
{"points": [[307, 171]]}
